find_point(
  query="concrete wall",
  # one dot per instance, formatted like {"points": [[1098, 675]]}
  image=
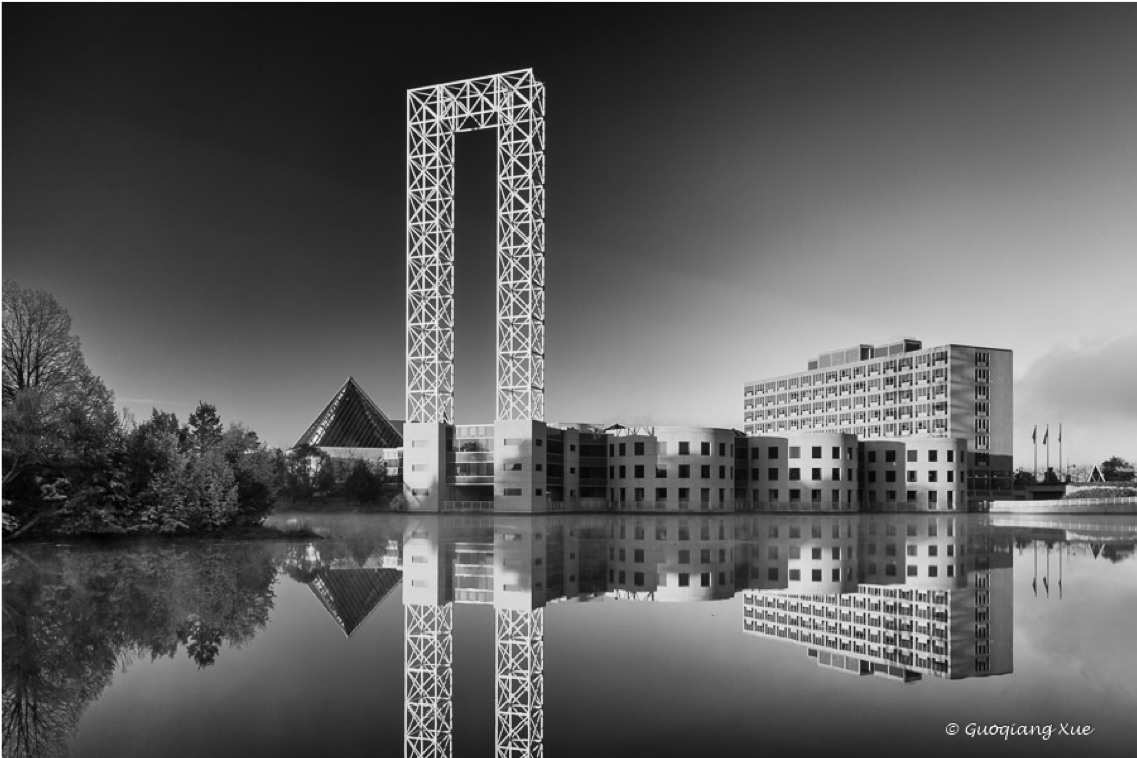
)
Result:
{"points": [[1112, 505]]}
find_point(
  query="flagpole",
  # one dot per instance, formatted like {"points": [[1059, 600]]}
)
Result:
{"points": [[1034, 439], [1046, 443]]}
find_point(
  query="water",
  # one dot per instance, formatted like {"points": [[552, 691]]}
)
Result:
{"points": [[600, 635]]}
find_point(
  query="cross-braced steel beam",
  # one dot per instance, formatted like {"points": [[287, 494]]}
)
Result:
{"points": [[520, 685], [429, 684], [514, 104]]}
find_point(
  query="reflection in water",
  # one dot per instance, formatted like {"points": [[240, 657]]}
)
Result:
{"points": [[899, 596], [71, 616], [902, 597], [893, 597]]}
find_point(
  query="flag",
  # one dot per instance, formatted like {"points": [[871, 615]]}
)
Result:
{"points": [[1034, 435], [1046, 437]]}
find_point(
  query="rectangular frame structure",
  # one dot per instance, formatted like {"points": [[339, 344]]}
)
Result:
{"points": [[514, 104]]}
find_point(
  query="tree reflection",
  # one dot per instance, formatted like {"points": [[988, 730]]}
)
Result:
{"points": [[70, 617]]}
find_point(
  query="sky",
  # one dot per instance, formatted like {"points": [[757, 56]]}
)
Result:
{"points": [[217, 195]]}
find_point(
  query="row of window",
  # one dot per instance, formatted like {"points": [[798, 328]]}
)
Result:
{"points": [[639, 448], [906, 364], [684, 472]]}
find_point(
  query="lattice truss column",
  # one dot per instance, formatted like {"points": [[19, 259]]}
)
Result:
{"points": [[520, 685], [429, 680], [514, 104]]}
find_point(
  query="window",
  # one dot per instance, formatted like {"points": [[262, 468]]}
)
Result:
{"points": [[932, 456], [704, 448], [623, 472], [933, 476], [684, 471], [772, 453], [772, 474], [816, 474], [684, 556], [890, 476], [890, 456], [837, 475], [722, 448], [684, 448], [704, 556], [705, 472], [638, 448], [722, 472], [816, 451], [638, 578], [661, 471], [816, 575], [795, 475], [795, 496], [512, 492], [638, 472], [684, 580], [912, 456], [795, 452], [911, 476], [623, 448], [872, 456], [660, 493]]}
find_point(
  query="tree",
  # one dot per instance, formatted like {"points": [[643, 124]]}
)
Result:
{"points": [[56, 412], [1117, 470], [205, 429], [1024, 478], [39, 350]]}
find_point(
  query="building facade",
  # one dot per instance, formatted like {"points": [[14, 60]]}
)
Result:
{"points": [[900, 390]]}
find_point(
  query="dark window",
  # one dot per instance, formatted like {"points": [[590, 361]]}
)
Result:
{"points": [[816, 451], [638, 448]]}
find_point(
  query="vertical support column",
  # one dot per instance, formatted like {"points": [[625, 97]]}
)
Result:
{"points": [[430, 256], [521, 248], [520, 682], [429, 682]]}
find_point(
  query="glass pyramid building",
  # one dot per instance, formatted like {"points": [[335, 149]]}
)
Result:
{"points": [[352, 420]]}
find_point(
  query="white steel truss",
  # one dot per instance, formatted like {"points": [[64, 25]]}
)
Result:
{"points": [[429, 680], [514, 104], [520, 683]]}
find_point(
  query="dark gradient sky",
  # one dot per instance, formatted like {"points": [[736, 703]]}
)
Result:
{"points": [[216, 193]]}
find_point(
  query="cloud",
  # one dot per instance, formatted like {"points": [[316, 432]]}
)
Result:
{"points": [[1093, 381]]}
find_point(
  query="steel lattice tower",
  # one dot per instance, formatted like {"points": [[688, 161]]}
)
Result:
{"points": [[514, 104], [428, 680], [520, 682]]}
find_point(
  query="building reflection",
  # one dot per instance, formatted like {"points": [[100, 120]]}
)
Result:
{"points": [[902, 597], [898, 597]]}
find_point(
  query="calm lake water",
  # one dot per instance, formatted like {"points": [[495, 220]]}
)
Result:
{"points": [[574, 635]]}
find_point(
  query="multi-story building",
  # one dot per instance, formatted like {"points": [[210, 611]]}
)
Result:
{"points": [[899, 390]]}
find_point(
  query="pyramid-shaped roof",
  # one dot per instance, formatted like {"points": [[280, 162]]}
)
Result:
{"points": [[350, 595], [351, 419]]}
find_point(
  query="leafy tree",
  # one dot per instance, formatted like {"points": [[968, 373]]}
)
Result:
{"points": [[60, 427], [205, 429], [364, 482], [254, 469], [1117, 470], [308, 469], [1024, 478]]}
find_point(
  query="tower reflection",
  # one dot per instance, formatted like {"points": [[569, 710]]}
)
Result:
{"points": [[900, 596]]}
